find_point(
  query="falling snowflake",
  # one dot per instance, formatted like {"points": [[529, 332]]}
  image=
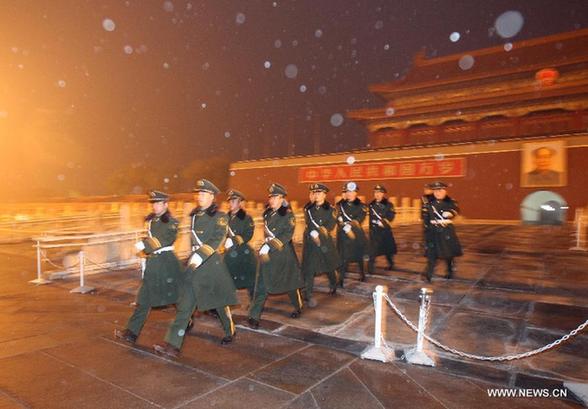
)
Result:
{"points": [[318, 33], [240, 18], [466, 62], [336, 120], [108, 24], [128, 49], [454, 37], [168, 6], [267, 64], [509, 23], [291, 71]]}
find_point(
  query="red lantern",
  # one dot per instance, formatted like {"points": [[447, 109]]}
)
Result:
{"points": [[547, 76]]}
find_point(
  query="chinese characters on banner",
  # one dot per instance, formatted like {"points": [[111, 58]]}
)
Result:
{"points": [[454, 167]]}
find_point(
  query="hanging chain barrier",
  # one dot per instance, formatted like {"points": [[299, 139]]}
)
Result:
{"points": [[499, 358]]}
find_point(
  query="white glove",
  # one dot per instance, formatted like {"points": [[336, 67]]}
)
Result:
{"points": [[347, 228], [340, 219], [447, 215], [140, 246], [264, 250], [314, 234], [195, 260], [380, 223], [229, 243]]}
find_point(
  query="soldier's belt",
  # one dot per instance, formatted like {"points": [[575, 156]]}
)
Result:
{"points": [[441, 222], [164, 249]]}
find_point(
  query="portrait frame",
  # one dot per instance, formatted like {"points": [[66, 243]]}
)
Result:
{"points": [[544, 164]]}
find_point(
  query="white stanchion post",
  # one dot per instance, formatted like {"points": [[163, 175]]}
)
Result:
{"points": [[579, 218], [82, 289], [417, 355], [39, 280], [378, 352]]}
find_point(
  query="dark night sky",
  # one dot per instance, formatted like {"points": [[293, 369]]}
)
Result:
{"points": [[181, 80]]}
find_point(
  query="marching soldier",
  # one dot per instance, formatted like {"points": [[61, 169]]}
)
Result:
{"points": [[239, 256], [441, 240], [279, 271], [351, 240], [427, 191], [161, 270], [208, 284], [319, 254], [426, 198], [381, 215]]}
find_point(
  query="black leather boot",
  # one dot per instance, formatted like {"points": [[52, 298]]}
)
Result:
{"points": [[450, 268], [390, 263], [166, 350], [253, 323], [125, 335], [228, 339]]}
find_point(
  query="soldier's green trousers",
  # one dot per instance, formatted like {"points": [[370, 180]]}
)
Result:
{"points": [[309, 282], [185, 308], [138, 318], [260, 295]]}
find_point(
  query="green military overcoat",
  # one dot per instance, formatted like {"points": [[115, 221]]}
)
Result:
{"points": [[322, 256], [212, 284], [381, 215], [281, 271], [351, 249], [441, 239], [162, 275], [240, 258]]}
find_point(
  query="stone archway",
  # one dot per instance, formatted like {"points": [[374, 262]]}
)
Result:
{"points": [[544, 207]]}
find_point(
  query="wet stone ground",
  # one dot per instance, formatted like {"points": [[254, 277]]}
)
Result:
{"points": [[516, 289]]}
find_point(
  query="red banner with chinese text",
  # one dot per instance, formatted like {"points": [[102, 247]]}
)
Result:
{"points": [[454, 167]]}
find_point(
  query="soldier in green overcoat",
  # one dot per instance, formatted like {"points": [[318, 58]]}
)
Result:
{"points": [[441, 241], [351, 241], [279, 270], [208, 284], [319, 254], [161, 268], [381, 215], [239, 256]]}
